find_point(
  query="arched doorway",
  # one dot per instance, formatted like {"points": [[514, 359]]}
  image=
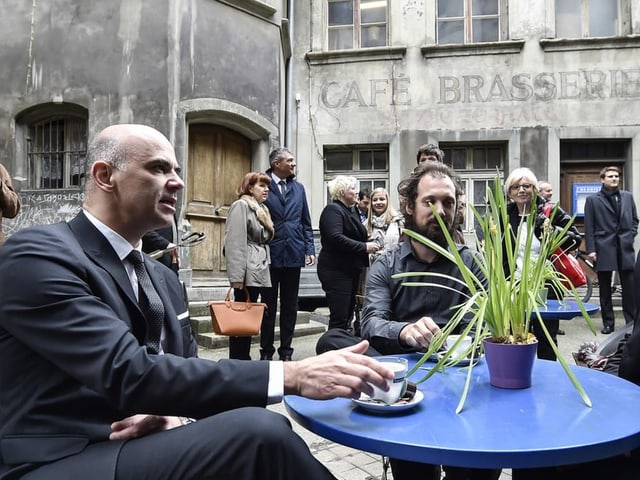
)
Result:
{"points": [[218, 159]]}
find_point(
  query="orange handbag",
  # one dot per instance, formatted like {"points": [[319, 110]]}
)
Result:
{"points": [[236, 319]]}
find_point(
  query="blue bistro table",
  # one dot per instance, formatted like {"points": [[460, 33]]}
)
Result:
{"points": [[545, 425], [565, 309]]}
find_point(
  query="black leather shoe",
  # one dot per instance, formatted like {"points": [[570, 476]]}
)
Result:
{"points": [[607, 330], [264, 356], [285, 358], [560, 332]]}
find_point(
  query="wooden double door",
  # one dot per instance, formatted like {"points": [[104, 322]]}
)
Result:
{"points": [[218, 159]]}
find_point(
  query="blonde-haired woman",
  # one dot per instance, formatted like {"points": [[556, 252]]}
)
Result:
{"points": [[384, 223], [345, 250], [521, 188], [249, 229]]}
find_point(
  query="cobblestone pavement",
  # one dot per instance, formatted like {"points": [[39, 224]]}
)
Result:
{"points": [[350, 464]]}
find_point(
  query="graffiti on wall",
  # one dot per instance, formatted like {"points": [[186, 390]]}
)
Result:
{"points": [[43, 207]]}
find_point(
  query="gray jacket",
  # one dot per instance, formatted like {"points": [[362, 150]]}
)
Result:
{"points": [[245, 247]]}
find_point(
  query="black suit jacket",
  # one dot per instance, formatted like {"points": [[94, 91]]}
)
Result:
{"points": [[604, 234], [343, 239], [71, 354]]}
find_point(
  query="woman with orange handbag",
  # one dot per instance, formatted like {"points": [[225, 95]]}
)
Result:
{"points": [[248, 231]]}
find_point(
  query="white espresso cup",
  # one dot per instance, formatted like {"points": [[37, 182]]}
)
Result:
{"points": [[400, 367], [459, 350]]}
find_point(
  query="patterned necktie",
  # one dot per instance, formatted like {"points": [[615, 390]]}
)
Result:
{"points": [[149, 301], [283, 187]]}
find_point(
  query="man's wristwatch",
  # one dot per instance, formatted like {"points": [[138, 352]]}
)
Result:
{"points": [[187, 420]]}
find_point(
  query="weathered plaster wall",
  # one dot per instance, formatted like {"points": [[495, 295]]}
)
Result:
{"points": [[413, 93], [130, 61]]}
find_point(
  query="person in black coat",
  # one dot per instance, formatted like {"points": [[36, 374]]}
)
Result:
{"points": [[345, 250], [521, 187], [161, 239], [610, 226]]}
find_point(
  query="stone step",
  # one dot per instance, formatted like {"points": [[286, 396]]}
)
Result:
{"points": [[213, 341]]}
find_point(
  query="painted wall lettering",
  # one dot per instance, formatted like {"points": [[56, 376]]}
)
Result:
{"points": [[375, 92], [545, 86]]}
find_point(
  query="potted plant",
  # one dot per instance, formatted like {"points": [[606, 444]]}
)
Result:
{"points": [[500, 306]]}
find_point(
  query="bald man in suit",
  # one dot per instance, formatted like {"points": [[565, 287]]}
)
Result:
{"points": [[83, 391]]}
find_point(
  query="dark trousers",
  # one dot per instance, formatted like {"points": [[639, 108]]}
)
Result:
{"points": [[285, 281], [240, 347], [621, 467], [403, 469], [246, 443], [606, 303], [340, 288], [337, 338], [545, 350]]}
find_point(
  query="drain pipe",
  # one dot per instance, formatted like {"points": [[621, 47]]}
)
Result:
{"points": [[290, 104]]}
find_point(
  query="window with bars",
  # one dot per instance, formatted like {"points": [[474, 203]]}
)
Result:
{"points": [[357, 24], [476, 165], [471, 21], [369, 164], [587, 18], [56, 151]]}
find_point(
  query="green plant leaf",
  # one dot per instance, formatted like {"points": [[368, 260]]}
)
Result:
{"points": [[500, 302]]}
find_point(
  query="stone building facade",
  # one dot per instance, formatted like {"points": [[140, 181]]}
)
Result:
{"points": [[351, 86], [208, 74], [513, 83]]}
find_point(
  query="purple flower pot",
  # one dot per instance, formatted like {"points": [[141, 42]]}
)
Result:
{"points": [[510, 365]]}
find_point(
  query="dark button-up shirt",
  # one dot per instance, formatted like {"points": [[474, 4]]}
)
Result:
{"points": [[389, 306]]}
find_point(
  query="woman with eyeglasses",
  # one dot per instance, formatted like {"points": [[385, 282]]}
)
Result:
{"points": [[522, 191]]}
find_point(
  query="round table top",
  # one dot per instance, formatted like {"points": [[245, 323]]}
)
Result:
{"points": [[547, 424], [565, 309]]}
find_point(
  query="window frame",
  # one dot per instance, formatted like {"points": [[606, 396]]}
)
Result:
{"points": [[356, 26], [502, 16], [65, 154], [469, 176], [621, 9], [366, 178]]}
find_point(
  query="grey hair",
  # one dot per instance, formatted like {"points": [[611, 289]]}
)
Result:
{"points": [[108, 150], [277, 154], [340, 184]]}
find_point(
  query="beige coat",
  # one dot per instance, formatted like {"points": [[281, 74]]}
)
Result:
{"points": [[246, 246], [9, 199]]}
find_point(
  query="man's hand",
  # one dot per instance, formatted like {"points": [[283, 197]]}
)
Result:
{"points": [[593, 256], [141, 425], [339, 373], [419, 334], [309, 260]]}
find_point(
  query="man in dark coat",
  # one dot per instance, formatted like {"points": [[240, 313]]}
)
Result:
{"points": [[291, 249], [611, 224]]}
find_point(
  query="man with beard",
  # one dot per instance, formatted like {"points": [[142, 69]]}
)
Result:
{"points": [[398, 319]]}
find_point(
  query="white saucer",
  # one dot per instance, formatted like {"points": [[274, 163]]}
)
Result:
{"points": [[379, 407], [460, 362]]}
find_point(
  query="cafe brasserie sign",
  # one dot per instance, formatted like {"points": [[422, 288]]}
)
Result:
{"points": [[582, 85]]}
